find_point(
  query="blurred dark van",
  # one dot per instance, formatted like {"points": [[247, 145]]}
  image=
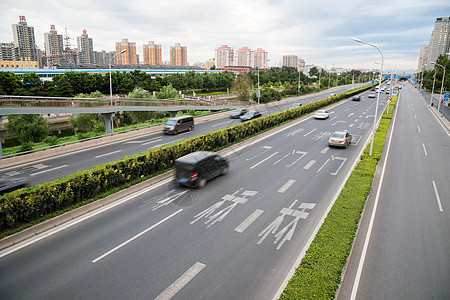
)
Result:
{"points": [[179, 124], [196, 168]]}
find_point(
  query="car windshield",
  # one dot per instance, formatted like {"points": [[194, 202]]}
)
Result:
{"points": [[338, 135], [171, 122], [237, 110], [321, 112]]}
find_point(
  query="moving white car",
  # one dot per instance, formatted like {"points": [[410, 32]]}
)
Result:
{"points": [[321, 114]]}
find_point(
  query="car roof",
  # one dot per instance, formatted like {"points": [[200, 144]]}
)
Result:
{"points": [[195, 157], [180, 117], [341, 131]]}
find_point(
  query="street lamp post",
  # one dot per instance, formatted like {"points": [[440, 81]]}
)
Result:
{"points": [[379, 89], [110, 80], [258, 92], [442, 85]]}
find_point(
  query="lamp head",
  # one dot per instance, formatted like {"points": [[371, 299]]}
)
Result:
{"points": [[356, 39]]}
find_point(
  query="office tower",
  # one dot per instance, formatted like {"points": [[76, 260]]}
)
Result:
{"points": [[178, 55], [129, 56], [260, 58], [224, 56], [152, 54], [53, 45], [290, 61], [244, 57], [24, 39], [85, 49], [439, 44]]}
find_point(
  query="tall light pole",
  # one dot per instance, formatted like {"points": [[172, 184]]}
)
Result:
{"points": [[379, 89], [258, 92], [110, 80], [442, 85]]}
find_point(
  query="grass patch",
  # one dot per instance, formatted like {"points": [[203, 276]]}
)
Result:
{"points": [[319, 274]]}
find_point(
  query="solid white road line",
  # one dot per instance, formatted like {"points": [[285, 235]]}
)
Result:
{"points": [[425, 150], [110, 153], [437, 196], [219, 124], [250, 219], [136, 236], [151, 142], [310, 132], [372, 218], [418, 128], [264, 160], [45, 171], [181, 282], [286, 186]]}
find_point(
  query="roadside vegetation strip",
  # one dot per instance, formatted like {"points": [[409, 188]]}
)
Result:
{"points": [[319, 274], [26, 206]]}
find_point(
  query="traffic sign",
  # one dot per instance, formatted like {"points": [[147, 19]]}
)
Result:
{"points": [[388, 99], [446, 96], [394, 92]]}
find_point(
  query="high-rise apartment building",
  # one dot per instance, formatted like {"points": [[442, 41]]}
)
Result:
{"points": [[53, 45], [244, 57], [8, 51], [224, 56], [290, 61], [24, 39], [178, 55], [439, 44], [85, 49], [152, 54], [260, 58], [129, 56]]}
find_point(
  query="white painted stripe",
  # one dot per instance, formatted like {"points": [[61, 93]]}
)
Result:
{"points": [[438, 199], [49, 170], [263, 160], [372, 217], [418, 128], [286, 186], [415, 117], [110, 153], [309, 165], [351, 125], [425, 150], [219, 124], [310, 132], [181, 282], [250, 219], [333, 118], [151, 142], [320, 169], [324, 150], [141, 141], [136, 236]]}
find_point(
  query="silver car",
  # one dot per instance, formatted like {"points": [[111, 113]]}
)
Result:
{"points": [[340, 139], [321, 114]]}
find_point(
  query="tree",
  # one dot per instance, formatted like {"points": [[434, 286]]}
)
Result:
{"points": [[28, 128], [242, 86], [168, 92], [9, 82], [87, 122]]}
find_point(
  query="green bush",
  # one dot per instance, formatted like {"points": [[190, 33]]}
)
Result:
{"points": [[27, 205], [51, 140]]}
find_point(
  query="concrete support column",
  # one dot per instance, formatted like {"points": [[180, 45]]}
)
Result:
{"points": [[108, 122]]}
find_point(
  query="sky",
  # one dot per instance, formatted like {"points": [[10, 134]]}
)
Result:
{"points": [[317, 31]]}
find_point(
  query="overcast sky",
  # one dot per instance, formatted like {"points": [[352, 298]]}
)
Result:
{"points": [[318, 31]]}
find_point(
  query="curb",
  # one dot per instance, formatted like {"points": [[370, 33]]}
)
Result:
{"points": [[440, 117]]}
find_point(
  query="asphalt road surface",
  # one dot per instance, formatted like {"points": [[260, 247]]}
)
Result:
{"points": [[405, 254]]}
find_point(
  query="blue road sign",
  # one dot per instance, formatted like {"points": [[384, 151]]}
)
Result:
{"points": [[446, 96]]}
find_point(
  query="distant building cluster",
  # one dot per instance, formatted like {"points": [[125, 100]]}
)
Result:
{"points": [[23, 52], [439, 45], [294, 61], [227, 57]]}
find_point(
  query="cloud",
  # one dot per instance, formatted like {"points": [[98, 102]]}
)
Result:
{"points": [[317, 31]]}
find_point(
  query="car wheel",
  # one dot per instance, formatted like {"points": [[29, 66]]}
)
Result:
{"points": [[175, 132], [190, 128], [224, 171], [201, 183]]}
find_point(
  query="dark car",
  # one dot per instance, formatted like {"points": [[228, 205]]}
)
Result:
{"points": [[250, 115], [10, 184], [238, 112], [196, 168], [356, 98], [294, 105], [179, 124]]}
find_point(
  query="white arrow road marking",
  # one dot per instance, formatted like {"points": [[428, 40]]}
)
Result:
{"points": [[343, 161], [168, 200]]}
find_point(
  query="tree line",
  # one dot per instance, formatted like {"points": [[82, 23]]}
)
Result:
{"points": [[435, 75]]}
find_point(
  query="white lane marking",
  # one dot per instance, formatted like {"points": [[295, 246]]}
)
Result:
{"points": [[338, 122], [282, 158], [323, 166], [351, 114], [324, 150], [263, 160], [49, 170], [110, 153], [347, 109], [181, 282], [343, 162], [351, 125], [82, 218], [286, 186], [425, 150], [136, 236], [297, 152], [310, 132], [333, 118], [250, 219], [418, 128], [415, 117], [438, 199], [372, 217], [219, 124], [141, 141], [309, 165], [151, 142], [440, 123]]}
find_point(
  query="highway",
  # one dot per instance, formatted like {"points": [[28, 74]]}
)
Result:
{"points": [[237, 238], [403, 243], [49, 169]]}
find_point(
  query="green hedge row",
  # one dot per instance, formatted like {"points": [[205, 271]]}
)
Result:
{"points": [[319, 273], [30, 204]]}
